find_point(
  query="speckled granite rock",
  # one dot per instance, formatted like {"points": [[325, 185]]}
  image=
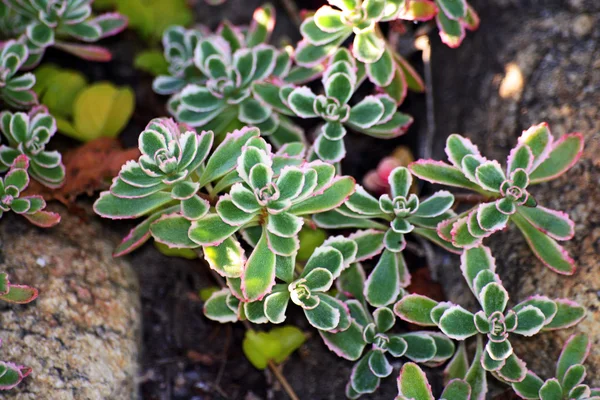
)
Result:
{"points": [[532, 62], [81, 335]]}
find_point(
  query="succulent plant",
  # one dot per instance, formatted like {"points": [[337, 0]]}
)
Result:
{"points": [[387, 220], [28, 134], [330, 27], [463, 383], [269, 195], [537, 158], [12, 374], [374, 115], [179, 46], [494, 320], [309, 290], [51, 21], [16, 91], [11, 199], [570, 374], [374, 330]]}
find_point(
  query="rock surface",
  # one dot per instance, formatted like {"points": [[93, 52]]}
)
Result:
{"points": [[533, 61], [81, 335]]}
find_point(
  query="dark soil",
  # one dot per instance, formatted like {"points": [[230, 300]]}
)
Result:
{"points": [[184, 355]]}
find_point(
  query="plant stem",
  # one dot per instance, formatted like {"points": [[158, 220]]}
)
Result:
{"points": [[274, 369], [284, 383]]}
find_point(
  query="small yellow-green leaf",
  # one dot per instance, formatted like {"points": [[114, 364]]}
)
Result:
{"points": [[102, 110]]}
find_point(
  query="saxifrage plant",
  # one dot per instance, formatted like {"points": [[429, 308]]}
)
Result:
{"points": [[46, 23], [28, 134], [494, 320], [15, 91], [374, 115], [537, 158], [11, 199], [269, 194], [202, 189], [568, 383]]}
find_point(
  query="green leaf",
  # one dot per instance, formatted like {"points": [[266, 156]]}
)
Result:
{"points": [[475, 260], [413, 384], [529, 387], [457, 390], [547, 306], [530, 321], [227, 259], [369, 242], [555, 224], [172, 230], [275, 306], [539, 140], [386, 280], [493, 298], [348, 344], [421, 346], [216, 308], [379, 364], [368, 46], [442, 173], [210, 230], [563, 155], [225, 156], [454, 9], [275, 345], [19, 294], [102, 110], [362, 379], [457, 323], [513, 370], [458, 365], [568, 314], [435, 205], [551, 390], [263, 22], [110, 206], [452, 32], [573, 377], [458, 147], [490, 218], [382, 71], [339, 86], [416, 309], [333, 195], [520, 157], [546, 249], [498, 351], [259, 274], [323, 317], [476, 376], [301, 101], [490, 176], [366, 113], [575, 351], [351, 283]]}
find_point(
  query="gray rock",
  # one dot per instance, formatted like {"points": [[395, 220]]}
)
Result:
{"points": [[551, 50], [81, 335]]}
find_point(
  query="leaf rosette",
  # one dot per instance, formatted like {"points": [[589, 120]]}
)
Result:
{"points": [[568, 383], [28, 134], [51, 21], [374, 330], [537, 158], [16, 91], [11, 199], [538, 313]]}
